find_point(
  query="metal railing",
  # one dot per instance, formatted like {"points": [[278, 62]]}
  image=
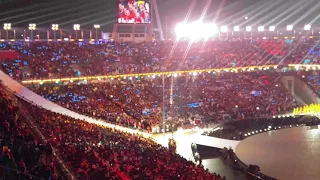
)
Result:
{"points": [[7, 173]]}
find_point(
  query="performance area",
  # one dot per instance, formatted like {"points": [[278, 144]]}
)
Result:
{"points": [[291, 153]]}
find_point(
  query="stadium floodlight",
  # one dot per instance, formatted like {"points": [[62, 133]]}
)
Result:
{"points": [[236, 28], [55, 27], [224, 28], [181, 30], [208, 30], [32, 27], [307, 27], [289, 27], [248, 28], [96, 26], [76, 27], [272, 28], [7, 27], [261, 28], [196, 30]]}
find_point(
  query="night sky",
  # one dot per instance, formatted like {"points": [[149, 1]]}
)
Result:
{"points": [[88, 12]]}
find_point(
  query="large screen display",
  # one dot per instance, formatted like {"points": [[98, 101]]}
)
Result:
{"points": [[134, 11]]}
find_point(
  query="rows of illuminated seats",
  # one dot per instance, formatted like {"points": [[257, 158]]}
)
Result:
{"points": [[197, 100], [23, 154], [96, 152], [88, 150], [42, 60]]}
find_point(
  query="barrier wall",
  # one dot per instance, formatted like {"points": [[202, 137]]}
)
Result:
{"points": [[214, 142], [36, 99]]}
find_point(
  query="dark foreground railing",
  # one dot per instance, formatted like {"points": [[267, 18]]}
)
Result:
{"points": [[7, 173]]}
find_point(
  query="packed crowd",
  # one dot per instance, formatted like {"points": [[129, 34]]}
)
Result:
{"points": [[90, 151], [196, 99], [22, 155], [40, 60], [313, 79], [95, 152]]}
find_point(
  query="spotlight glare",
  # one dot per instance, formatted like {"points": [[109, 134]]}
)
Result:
{"points": [[289, 27]]}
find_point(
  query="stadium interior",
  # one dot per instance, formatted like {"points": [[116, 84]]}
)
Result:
{"points": [[159, 90]]}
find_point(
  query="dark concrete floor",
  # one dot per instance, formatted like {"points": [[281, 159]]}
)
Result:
{"points": [[218, 166]]}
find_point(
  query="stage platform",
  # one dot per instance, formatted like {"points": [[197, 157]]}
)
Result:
{"points": [[185, 138], [286, 154]]}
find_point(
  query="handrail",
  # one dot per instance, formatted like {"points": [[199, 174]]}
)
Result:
{"points": [[20, 172]]}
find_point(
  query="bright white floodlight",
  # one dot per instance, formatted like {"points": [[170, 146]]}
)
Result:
{"points": [[181, 29], [307, 27], [7, 26], [261, 28], [55, 27], [289, 27], [224, 28], [272, 28], [196, 30], [76, 27], [248, 28], [32, 27], [236, 28], [210, 30]]}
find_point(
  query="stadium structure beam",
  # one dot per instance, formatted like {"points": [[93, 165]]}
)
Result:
{"points": [[155, 74], [156, 13]]}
